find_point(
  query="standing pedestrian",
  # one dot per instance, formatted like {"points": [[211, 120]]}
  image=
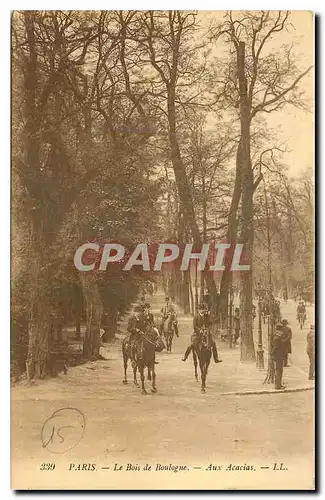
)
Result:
{"points": [[279, 351], [287, 332], [311, 351]]}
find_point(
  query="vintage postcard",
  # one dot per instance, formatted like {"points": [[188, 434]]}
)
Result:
{"points": [[162, 292]]}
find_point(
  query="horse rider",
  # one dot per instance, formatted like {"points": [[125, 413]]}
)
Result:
{"points": [[148, 316], [301, 310], [202, 320], [287, 333], [136, 325], [148, 319], [168, 311]]}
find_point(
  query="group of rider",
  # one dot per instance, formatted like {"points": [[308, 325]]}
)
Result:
{"points": [[142, 318]]}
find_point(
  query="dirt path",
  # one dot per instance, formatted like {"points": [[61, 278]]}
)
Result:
{"points": [[178, 425]]}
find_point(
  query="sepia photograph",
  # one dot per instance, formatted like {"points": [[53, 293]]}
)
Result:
{"points": [[162, 250]]}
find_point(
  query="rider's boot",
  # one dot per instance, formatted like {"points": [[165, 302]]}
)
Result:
{"points": [[215, 353], [187, 353], [176, 329]]}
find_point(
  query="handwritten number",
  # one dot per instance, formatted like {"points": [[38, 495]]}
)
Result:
{"points": [[51, 438]]}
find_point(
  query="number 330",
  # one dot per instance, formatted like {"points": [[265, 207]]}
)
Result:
{"points": [[47, 467]]}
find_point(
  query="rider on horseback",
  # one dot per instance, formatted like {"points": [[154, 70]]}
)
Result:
{"points": [[148, 316], [301, 310], [136, 325], [168, 312], [202, 320]]}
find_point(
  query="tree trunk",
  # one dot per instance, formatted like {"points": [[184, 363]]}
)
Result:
{"points": [[186, 291], [94, 309], [38, 362], [183, 186], [247, 230], [271, 320], [78, 325], [231, 238]]}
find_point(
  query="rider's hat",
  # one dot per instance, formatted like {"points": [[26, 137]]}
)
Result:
{"points": [[166, 298], [284, 322], [147, 305], [137, 308], [279, 326]]}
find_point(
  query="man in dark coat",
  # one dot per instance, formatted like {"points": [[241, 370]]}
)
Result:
{"points": [[279, 351], [148, 314], [311, 351], [287, 332], [136, 324], [202, 320]]}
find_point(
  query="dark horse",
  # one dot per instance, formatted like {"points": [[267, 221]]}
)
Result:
{"points": [[142, 354], [168, 330], [202, 350]]}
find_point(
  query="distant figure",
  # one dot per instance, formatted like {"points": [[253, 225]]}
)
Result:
{"points": [[301, 309], [168, 312], [287, 332], [285, 294], [279, 351], [311, 351], [149, 319]]}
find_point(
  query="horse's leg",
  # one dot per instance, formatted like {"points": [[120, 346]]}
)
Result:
{"points": [[141, 370], [206, 368], [125, 362], [202, 374], [195, 363], [135, 375], [154, 388], [171, 339], [167, 342], [149, 373]]}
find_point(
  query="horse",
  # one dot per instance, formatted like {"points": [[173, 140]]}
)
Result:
{"points": [[127, 355], [202, 351], [142, 354], [168, 330]]}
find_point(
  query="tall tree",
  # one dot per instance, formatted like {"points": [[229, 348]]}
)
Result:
{"points": [[262, 82]]}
